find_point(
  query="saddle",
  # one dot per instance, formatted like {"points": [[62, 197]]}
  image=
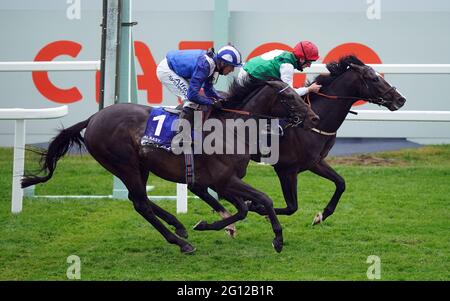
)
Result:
{"points": [[176, 110], [159, 134]]}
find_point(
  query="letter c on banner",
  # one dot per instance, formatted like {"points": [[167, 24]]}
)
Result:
{"points": [[41, 79]]}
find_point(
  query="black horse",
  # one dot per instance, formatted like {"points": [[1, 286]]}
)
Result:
{"points": [[112, 137], [302, 149]]}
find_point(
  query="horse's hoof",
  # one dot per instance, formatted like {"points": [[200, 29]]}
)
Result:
{"points": [[277, 245], [181, 233], [317, 219], [187, 249], [201, 225], [231, 231]]}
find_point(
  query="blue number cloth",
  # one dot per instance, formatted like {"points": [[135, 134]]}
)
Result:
{"points": [[158, 130]]}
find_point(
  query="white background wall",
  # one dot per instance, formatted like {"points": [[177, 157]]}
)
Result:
{"points": [[407, 32]]}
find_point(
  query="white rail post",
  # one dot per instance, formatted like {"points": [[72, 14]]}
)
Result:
{"points": [[18, 166], [20, 116], [182, 205]]}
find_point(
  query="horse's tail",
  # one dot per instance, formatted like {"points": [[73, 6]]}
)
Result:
{"points": [[58, 148]]}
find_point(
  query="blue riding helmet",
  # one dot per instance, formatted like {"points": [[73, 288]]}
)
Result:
{"points": [[230, 55]]}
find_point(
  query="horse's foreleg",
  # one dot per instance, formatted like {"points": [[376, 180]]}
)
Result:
{"points": [[180, 230], [203, 194], [242, 191], [288, 181], [228, 220], [326, 171]]}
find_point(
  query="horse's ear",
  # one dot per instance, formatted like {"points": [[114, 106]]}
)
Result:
{"points": [[356, 67]]}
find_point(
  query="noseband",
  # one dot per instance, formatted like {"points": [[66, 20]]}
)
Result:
{"points": [[294, 120]]}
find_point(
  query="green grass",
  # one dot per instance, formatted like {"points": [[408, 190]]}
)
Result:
{"points": [[396, 207]]}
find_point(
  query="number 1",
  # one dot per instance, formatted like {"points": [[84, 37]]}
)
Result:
{"points": [[160, 120]]}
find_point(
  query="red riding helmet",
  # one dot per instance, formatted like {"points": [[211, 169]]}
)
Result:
{"points": [[307, 51]]}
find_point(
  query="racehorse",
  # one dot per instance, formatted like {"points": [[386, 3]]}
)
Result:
{"points": [[112, 136], [349, 80], [302, 149]]}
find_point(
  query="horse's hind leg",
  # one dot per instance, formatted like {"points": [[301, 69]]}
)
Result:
{"points": [[138, 195], [180, 230], [203, 194]]}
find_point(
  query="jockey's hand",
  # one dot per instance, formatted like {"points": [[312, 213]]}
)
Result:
{"points": [[314, 88], [216, 104]]}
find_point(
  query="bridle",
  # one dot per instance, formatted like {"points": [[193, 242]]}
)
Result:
{"points": [[377, 100]]}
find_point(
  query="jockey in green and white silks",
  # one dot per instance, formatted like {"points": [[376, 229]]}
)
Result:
{"points": [[281, 64]]}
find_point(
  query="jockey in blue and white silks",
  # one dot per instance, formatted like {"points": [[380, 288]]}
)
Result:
{"points": [[185, 72]]}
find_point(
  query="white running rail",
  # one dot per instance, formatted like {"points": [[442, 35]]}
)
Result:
{"points": [[20, 115], [363, 115], [19, 141]]}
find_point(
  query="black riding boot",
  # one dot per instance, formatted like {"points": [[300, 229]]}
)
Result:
{"points": [[188, 115]]}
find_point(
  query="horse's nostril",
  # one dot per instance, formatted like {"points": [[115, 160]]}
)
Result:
{"points": [[401, 102]]}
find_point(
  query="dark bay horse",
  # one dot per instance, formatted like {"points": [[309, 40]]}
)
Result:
{"points": [[112, 136], [302, 150]]}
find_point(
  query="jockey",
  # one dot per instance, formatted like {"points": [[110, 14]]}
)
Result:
{"points": [[185, 72], [280, 64]]}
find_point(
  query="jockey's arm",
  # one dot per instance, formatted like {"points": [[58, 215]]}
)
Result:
{"points": [[209, 90], [199, 78], [287, 76]]}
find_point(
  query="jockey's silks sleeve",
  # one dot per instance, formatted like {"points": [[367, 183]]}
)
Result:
{"points": [[200, 78], [287, 76], [209, 89]]}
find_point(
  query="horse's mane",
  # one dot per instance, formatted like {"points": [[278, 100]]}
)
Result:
{"points": [[238, 95], [336, 68]]}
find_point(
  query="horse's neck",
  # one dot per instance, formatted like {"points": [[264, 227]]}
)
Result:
{"points": [[332, 112], [257, 102]]}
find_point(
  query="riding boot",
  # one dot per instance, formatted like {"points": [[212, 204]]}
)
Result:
{"points": [[188, 115]]}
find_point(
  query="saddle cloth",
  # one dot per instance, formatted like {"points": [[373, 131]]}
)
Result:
{"points": [[158, 131]]}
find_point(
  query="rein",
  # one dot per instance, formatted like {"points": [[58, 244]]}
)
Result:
{"points": [[380, 101], [246, 113], [294, 122]]}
